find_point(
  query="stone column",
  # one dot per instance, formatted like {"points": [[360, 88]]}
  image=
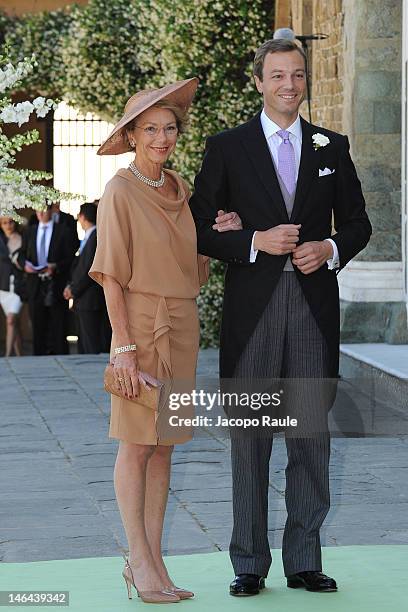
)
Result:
{"points": [[282, 14], [328, 65], [371, 286], [302, 16]]}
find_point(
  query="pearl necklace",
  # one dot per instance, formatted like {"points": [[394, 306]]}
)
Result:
{"points": [[146, 179]]}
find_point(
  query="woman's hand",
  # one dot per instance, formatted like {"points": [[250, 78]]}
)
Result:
{"points": [[126, 369], [226, 222]]}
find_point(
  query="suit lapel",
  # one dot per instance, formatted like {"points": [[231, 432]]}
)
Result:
{"points": [[257, 148], [32, 245], [308, 169], [54, 238], [88, 251]]}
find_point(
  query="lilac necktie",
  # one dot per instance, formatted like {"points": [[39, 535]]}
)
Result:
{"points": [[286, 161]]}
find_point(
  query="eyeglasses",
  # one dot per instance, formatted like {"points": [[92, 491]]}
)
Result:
{"points": [[170, 131]]}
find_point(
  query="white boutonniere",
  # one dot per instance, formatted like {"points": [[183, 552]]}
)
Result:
{"points": [[319, 140]]}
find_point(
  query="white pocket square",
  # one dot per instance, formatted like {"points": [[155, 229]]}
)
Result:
{"points": [[326, 171]]}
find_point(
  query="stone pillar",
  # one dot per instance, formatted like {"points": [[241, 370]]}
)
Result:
{"points": [[302, 16], [282, 14], [371, 286], [328, 65]]}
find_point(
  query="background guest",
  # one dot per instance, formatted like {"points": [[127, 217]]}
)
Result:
{"points": [[66, 219], [89, 301], [10, 280], [69, 221], [46, 256]]}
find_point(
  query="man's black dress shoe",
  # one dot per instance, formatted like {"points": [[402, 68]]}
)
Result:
{"points": [[246, 584], [312, 581]]}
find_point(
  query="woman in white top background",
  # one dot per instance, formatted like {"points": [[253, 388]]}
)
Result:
{"points": [[10, 301]]}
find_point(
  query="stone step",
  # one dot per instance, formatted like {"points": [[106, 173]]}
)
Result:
{"points": [[385, 365]]}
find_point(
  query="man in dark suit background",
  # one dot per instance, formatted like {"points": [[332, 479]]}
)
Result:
{"points": [[46, 256], [69, 221], [285, 178], [89, 301], [63, 218]]}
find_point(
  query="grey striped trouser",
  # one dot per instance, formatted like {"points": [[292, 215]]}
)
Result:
{"points": [[286, 343]]}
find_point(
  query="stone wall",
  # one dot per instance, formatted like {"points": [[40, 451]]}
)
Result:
{"points": [[325, 57], [356, 90], [372, 115], [372, 119], [328, 65], [302, 16]]}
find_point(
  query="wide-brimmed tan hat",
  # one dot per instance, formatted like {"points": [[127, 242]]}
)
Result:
{"points": [[180, 93]]}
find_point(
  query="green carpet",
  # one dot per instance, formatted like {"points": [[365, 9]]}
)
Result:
{"points": [[370, 578]]}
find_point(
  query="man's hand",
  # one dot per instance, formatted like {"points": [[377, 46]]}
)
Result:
{"points": [[29, 268], [226, 222], [68, 293], [310, 256], [279, 240], [51, 269]]}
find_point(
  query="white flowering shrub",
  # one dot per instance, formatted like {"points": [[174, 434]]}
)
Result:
{"points": [[18, 188], [214, 40], [108, 49], [99, 56], [42, 34]]}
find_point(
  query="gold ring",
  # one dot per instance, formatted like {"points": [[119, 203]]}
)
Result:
{"points": [[120, 379]]}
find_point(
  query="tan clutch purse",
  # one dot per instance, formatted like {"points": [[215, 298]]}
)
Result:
{"points": [[149, 399]]}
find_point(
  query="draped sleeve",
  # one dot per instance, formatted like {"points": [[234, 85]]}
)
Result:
{"points": [[113, 254]]}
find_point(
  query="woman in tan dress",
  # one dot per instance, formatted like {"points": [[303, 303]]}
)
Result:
{"points": [[147, 262]]}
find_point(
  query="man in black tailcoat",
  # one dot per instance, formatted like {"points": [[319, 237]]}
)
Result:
{"points": [[287, 179]]}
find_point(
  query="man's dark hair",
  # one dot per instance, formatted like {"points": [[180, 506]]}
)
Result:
{"points": [[280, 45], [88, 210]]}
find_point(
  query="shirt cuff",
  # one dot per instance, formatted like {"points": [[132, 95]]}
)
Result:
{"points": [[254, 252], [334, 262]]}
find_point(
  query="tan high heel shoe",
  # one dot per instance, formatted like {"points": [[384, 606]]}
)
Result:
{"points": [[163, 596], [182, 593]]}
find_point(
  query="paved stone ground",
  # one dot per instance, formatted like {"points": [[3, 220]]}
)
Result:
{"points": [[57, 498]]}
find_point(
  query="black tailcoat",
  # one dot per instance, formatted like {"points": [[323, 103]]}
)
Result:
{"points": [[238, 174]]}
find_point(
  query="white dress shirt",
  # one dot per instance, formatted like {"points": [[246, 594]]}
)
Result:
{"points": [[270, 129], [84, 240], [48, 233]]}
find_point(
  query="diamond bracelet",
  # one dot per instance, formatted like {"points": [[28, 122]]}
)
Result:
{"points": [[125, 349]]}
